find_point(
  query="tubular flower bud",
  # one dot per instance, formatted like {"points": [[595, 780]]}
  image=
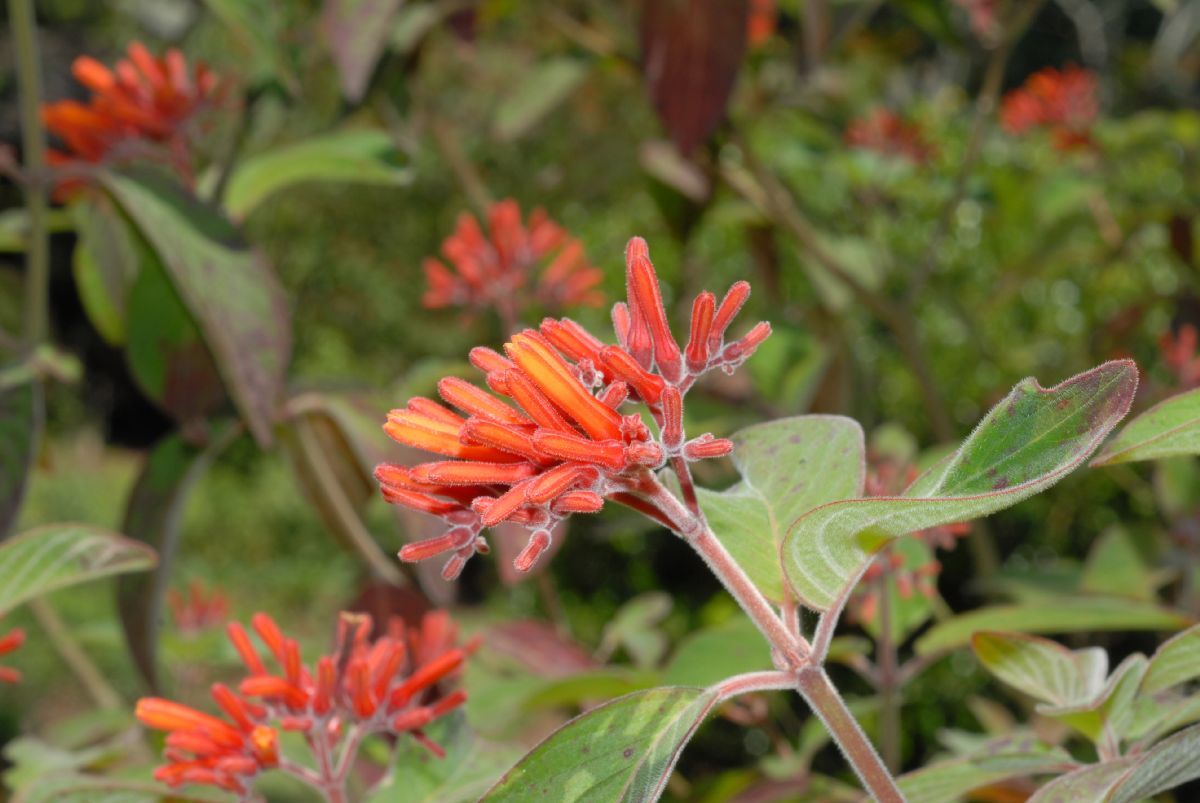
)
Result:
{"points": [[731, 305], [648, 386], [539, 542], [702, 319], [706, 446], [13, 640], [373, 684], [646, 298], [672, 413]]}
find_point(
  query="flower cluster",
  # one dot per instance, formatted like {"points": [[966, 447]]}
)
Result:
{"points": [[197, 610], [141, 100], [8, 643], [365, 686], [760, 22], [558, 442], [1179, 353], [493, 270], [982, 15], [1062, 101], [884, 132]]}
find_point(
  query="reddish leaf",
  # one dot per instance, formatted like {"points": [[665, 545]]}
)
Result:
{"points": [[691, 52], [358, 31]]}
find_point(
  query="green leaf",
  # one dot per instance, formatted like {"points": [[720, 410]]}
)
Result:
{"points": [[1111, 707], [1028, 442], [21, 420], [357, 32], [1176, 661], [710, 655], [1168, 429], [229, 289], [152, 516], [1000, 760], [105, 263], [583, 688], [256, 29], [622, 751], [636, 626], [48, 558], [358, 156], [1077, 614], [788, 467], [67, 788], [1115, 567], [540, 90], [1042, 668], [1128, 779]]}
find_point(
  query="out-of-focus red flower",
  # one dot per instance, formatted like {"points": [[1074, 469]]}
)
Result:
{"points": [[553, 440], [1063, 102], [982, 16], [391, 684], [197, 610], [760, 24], [495, 270], [8, 643], [141, 100], [1179, 353], [884, 132]]}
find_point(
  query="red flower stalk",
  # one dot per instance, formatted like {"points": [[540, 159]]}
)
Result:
{"points": [[141, 100], [553, 440], [8, 643], [1064, 102], [490, 271], [884, 132], [197, 610], [1179, 353], [384, 685]]}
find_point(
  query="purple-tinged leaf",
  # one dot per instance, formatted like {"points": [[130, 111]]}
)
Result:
{"points": [[229, 289], [1028, 442], [1000, 760], [21, 421], [357, 32], [1170, 428]]}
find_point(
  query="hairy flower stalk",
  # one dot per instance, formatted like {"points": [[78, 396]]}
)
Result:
{"points": [[392, 684]]}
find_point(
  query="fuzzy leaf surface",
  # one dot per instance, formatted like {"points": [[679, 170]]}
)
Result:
{"points": [[1176, 661], [1168, 429]]}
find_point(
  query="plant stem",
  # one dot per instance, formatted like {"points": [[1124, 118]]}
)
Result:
{"points": [[754, 681], [889, 687], [37, 250], [73, 655], [814, 685]]}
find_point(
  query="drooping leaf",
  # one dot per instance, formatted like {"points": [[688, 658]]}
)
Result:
{"points": [[788, 467], [21, 420], [1176, 661], [1076, 614], [152, 516], [1000, 760], [1131, 778], [622, 751], [105, 263], [358, 156], [357, 32], [257, 31], [1168, 429], [1028, 442], [48, 558], [541, 89], [230, 290], [167, 356], [1042, 668], [710, 655], [691, 53]]}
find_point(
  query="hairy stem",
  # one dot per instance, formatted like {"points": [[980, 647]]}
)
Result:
{"points": [[754, 681], [889, 686], [819, 692]]}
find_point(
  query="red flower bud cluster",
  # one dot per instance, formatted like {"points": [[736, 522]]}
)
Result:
{"points": [[141, 100], [554, 440], [1179, 353], [760, 22], [11, 641], [884, 132], [197, 610], [365, 686], [490, 271], [1062, 101]]}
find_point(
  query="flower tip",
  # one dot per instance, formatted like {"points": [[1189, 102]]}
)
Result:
{"points": [[635, 249]]}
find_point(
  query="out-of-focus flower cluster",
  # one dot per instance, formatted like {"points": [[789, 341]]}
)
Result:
{"points": [[1061, 101], [760, 22], [197, 610], [1178, 352], [553, 440], [498, 270], [141, 104], [982, 15], [392, 684], [884, 132], [11, 641]]}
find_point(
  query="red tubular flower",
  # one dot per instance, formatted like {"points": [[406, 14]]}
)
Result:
{"points": [[1178, 352], [197, 610], [760, 23], [1063, 102], [384, 685], [553, 441], [143, 99], [8, 643], [884, 132], [489, 271]]}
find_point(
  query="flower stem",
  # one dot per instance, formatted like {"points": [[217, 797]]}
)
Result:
{"points": [[821, 695], [889, 686], [37, 247]]}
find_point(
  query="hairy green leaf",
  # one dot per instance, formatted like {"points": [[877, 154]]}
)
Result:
{"points": [[1002, 759], [1042, 668], [1028, 442], [788, 467], [710, 655], [1176, 661], [1168, 429], [622, 751]]}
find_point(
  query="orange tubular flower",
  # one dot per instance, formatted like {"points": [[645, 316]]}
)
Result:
{"points": [[884, 132], [1064, 102], [553, 441], [490, 271], [8, 643], [365, 686], [197, 610], [141, 100]]}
